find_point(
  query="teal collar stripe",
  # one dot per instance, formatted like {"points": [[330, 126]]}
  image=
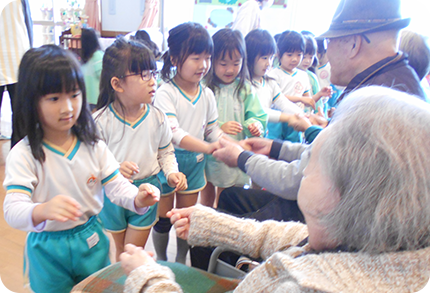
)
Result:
{"points": [[290, 74], [117, 116], [276, 97], [75, 149], [128, 123], [107, 179], [185, 96], [323, 66], [141, 119], [70, 156], [264, 81], [18, 187]]}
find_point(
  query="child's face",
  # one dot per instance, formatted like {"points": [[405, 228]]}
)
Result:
{"points": [[290, 60], [261, 65], [228, 68], [195, 67], [58, 112], [307, 61], [136, 89]]}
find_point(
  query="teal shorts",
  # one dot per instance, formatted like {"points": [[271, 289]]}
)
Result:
{"points": [[116, 219], [56, 261], [283, 131], [193, 166]]}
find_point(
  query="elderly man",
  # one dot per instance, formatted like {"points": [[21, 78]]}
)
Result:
{"points": [[362, 49]]}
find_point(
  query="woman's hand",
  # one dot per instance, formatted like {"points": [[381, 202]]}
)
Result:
{"points": [[257, 145], [180, 218], [134, 257], [177, 180]]}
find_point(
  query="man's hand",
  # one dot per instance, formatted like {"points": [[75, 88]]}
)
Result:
{"points": [[257, 145], [228, 153], [318, 118]]}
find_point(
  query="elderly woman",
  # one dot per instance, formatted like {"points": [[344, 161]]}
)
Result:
{"points": [[365, 196]]}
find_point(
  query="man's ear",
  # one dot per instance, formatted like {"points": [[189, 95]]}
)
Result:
{"points": [[115, 82], [355, 45]]}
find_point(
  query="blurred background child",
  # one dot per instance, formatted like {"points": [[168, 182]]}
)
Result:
{"points": [[240, 113], [260, 49], [92, 59], [320, 96], [294, 83], [192, 112], [137, 133]]}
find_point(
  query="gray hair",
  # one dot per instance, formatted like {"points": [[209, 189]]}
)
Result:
{"points": [[418, 49], [378, 158]]}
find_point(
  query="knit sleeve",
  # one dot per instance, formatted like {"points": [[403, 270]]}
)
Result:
{"points": [[256, 239]]}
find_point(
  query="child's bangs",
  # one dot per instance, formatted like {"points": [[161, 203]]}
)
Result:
{"points": [[266, 47], [140, 58], [201, 43], [63, 77]]}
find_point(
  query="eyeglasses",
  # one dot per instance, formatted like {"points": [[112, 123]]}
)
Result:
{"points": [[146, 75]]}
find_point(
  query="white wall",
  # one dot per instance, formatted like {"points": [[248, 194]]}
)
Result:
{"points": [[121, 15]]}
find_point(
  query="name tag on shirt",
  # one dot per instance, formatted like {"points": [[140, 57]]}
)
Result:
{"points": [[200, 158]]}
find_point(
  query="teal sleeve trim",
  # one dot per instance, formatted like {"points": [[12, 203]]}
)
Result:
{"points": [[107, 179]]}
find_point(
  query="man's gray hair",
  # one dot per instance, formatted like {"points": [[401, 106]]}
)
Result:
{"points": [[378, 158]]}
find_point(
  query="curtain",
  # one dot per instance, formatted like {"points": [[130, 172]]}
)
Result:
{"points": [[149, 14], [92, 11]]}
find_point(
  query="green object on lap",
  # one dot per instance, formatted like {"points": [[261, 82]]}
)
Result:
{"points": [[112, 278]]}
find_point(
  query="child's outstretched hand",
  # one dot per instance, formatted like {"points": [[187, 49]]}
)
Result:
{"points": [[60, 208], [134, 257], [255, 129], [181, 219], [178, 180], [148, 195], [128, 169], [232, 127], [308, 101], [326, 91], [212, 147]]}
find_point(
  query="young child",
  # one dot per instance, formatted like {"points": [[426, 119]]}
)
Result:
{"points": [[294, 83], [260, 49], [137, 133], [240, 113], [192, 113], [92, 57], [322, 71], [320, 96], [56, 174]]}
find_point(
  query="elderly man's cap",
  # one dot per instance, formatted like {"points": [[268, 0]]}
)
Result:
{"points": [[359, 16]]}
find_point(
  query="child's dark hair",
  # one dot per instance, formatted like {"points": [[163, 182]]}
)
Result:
{"points": [[185, 39], [120, 57], [258, 43], [311, 45], [90, 43], [227, 41], [46, 70], [290, 42], [322, 46], [143, 36]]}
